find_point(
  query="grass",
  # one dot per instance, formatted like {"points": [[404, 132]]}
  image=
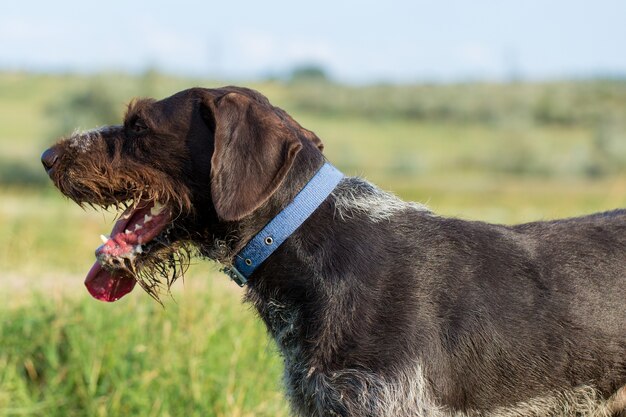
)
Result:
{"points": [[65, 354], [204, 355]]}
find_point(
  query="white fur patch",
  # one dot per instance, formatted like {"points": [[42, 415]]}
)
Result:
{"points": [[355, 196], [362, 393], [82, 140], [582, 401], [409, 395]]}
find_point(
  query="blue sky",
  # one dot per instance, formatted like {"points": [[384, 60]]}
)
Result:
{"points": [[356, 41]]}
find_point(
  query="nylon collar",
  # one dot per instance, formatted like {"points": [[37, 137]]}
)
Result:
{"points": [[264, 243]]}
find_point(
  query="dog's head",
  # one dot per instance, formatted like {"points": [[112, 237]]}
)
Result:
{"points": [[188, 170]]}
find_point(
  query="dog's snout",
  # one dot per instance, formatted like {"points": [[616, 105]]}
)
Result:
{"points": [[49, 158]]}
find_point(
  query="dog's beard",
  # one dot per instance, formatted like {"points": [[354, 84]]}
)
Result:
{"points": [[162, 268]]}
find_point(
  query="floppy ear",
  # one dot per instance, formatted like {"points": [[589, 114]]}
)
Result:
{"points": [[253, 152]]}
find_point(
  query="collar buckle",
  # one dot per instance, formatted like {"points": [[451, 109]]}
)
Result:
{"points": [[234, 274]]}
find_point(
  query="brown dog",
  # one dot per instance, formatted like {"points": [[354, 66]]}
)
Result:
{"points": [[379, 307]]}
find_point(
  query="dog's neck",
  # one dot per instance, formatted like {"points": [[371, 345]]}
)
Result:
{"points": [[284, 224], [323, 272]]}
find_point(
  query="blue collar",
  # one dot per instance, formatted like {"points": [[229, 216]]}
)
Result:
{"points": [[284, 224]]}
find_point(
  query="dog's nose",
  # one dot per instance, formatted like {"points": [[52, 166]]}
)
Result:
{"points": [[49, 158]]}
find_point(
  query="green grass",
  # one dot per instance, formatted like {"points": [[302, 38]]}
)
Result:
{"points": [[204, 355], [497, 153]]}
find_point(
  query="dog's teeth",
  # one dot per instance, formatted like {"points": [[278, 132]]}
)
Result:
{"points": [[104, 239], [146, 218], [138, 227], [138, 249], [127, 231], [158, 207]]}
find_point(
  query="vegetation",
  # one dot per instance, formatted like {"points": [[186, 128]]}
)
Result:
{"points": [[501, 153], [203, 356]]}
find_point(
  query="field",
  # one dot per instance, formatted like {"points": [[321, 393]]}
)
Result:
{"points": [[500, 153]]}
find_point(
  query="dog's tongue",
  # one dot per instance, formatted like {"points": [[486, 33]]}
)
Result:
{"points": [[106, 285], [137, 225]]}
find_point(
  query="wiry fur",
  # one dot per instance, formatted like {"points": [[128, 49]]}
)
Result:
{"points": [[163, 267], [378, 307], [405, 390], [108, 178], [348, 392], [580, 401], [81, 140], [359, 196]]}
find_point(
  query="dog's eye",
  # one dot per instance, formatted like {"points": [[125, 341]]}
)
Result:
{"points": [[138, 126]]}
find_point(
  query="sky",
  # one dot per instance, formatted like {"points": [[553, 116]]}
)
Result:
{"points": [[355, 41]]}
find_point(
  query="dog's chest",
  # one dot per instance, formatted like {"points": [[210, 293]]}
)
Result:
{"points": [[284, 324]]}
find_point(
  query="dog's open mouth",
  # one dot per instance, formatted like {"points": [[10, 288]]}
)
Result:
{"points": [[113, 274]]}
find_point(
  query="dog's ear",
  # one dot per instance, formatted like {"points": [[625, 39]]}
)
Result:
{"points": [[253, 152]]}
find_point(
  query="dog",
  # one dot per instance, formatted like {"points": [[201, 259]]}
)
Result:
{"points": [[379, 307]]}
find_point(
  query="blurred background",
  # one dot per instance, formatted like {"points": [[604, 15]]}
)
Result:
{"points": [[497, 111]]}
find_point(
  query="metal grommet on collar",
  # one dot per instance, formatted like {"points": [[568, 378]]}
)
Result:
{"points": [[269, 240], [248, 262]]}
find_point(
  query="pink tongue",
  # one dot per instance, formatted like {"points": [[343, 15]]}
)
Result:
{"points": [[106, 286]]}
